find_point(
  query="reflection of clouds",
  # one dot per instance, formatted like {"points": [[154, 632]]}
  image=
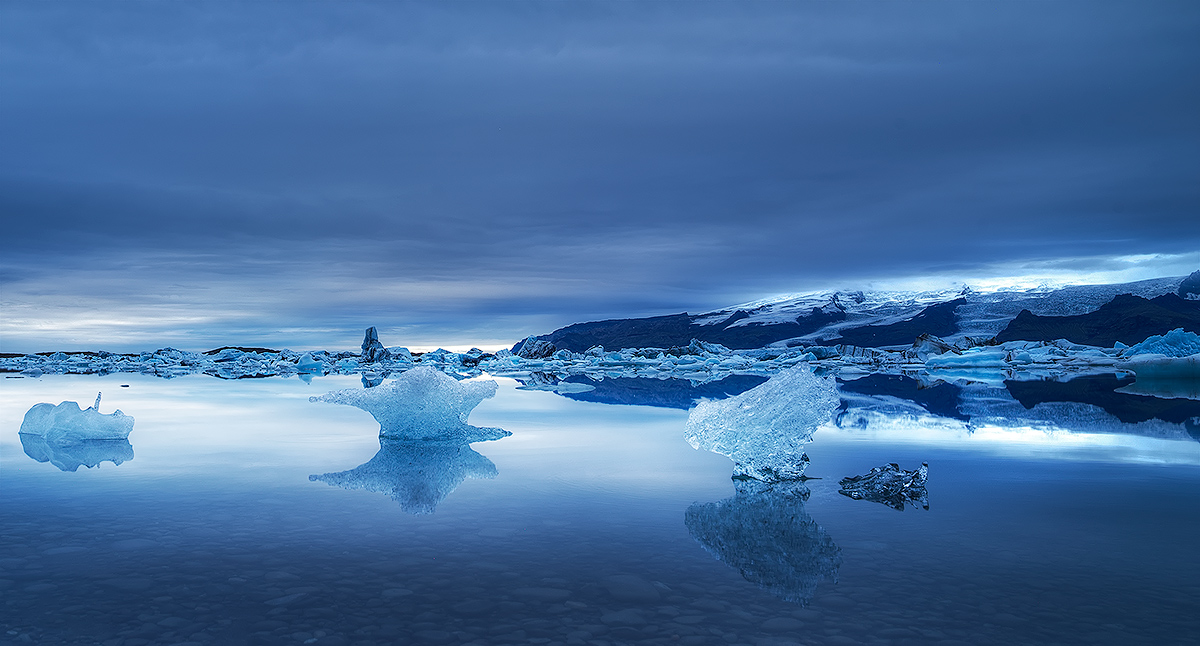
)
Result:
{"points": [[417, 474], [765, 533], [423, 438], [69, 437], [764, 429]]}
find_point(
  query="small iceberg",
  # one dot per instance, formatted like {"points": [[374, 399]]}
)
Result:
{"points": [[889, 485], [764, 430], [69, 436], [422, 404]]}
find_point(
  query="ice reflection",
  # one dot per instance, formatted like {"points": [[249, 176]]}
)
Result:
{"points": [[417, 474], [69, 436], [765, 533], [424, 438]]}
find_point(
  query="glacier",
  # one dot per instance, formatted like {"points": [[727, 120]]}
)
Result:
{"points": [[764, 429]]}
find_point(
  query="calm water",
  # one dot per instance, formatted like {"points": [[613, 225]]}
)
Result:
{"points": [[592, 523]]}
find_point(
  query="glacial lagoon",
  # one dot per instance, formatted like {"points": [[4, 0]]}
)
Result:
{"points": [[604, 512]]}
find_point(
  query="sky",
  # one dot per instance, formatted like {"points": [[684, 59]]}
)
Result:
{"points": [[455, 173]]}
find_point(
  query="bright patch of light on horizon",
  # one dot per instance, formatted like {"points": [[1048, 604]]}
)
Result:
{"points": [[1047, 442]]}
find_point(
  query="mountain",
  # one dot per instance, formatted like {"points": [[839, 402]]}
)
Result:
{"points": [[897, 318]]}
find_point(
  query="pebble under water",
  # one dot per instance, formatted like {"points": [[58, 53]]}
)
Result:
{"points": [[598, 525]]}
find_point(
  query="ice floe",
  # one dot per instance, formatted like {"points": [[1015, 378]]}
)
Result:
{"points": [[69, 436]]}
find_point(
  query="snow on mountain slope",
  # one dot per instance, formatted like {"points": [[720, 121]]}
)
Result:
{"points": [[983, 314]]}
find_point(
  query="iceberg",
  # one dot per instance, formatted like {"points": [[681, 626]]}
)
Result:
{"points": [[69, 437], [67, 421], [372, 348], [1175, 343], [417, 474], [764, 532], [764, 429], [423, 438], [889, 485], [422, 404]]}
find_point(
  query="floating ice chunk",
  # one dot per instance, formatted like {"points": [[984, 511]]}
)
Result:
{"points": [[765, 533], [890, 485], [67, 420], [764, 429], [1175, 343], [422, 404], [372, 349], [70, 437], [535, 348], [417, 474], [971, 358], [306, 363]]}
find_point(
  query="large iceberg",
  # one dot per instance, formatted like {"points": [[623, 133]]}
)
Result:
{"points": [[423, 404], [764, 429], [765, 533], [417, 474], [69, 436]]}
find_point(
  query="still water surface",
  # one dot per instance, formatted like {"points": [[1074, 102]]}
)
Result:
{"points": [[592, 523]]}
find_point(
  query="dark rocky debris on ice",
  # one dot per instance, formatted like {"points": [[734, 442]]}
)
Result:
{"points": [[890, 485]]}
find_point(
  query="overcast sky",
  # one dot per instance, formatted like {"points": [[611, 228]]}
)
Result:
{"points": [[286, 174]]}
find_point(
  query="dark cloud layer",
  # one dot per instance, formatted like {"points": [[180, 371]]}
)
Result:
{"points": [[196, 171]]}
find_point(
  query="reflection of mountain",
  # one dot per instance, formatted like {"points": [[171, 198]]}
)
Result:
{"points": [[1101, 391], [1086, 404], [666, 393], [69, 437], [423, 438], [764, 532], [939, 399], [417, 474], [764, 429]]}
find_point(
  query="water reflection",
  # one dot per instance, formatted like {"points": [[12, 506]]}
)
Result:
{"points": [[69, 436], [417, 474], [424, 438], [765, 533]]}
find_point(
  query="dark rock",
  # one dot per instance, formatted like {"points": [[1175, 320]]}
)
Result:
{"points": [[534, 348], [1126, 318], [889, 485], [1190, 287], [678, 330], [937, 320]]}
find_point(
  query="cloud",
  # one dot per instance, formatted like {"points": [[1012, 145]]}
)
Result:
{"points": [[435, 167]]}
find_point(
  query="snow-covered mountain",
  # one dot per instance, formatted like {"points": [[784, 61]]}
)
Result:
{"points": [[896, 318]]}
